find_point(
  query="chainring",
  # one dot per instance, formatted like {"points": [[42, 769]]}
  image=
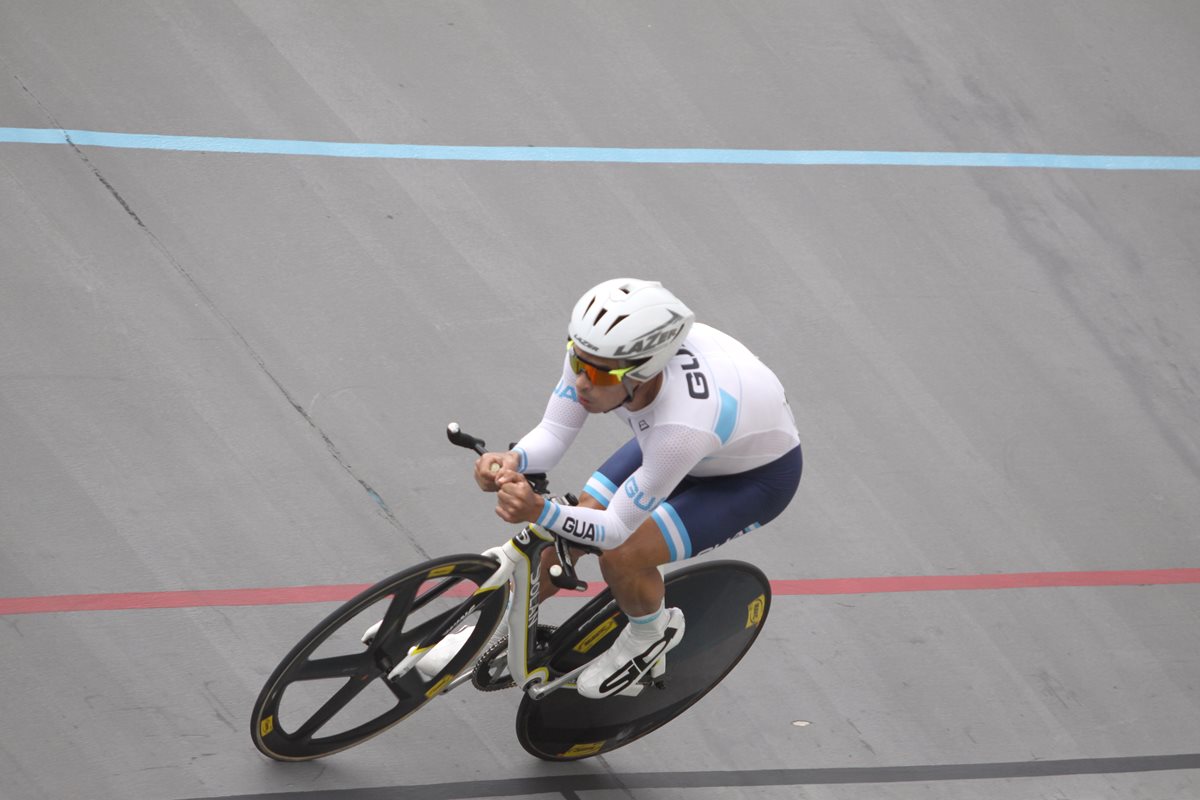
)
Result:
{"points": [[491, 670]]}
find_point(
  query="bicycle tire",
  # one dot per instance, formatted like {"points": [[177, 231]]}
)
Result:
{"points": [[725, 604], [410, 591]]}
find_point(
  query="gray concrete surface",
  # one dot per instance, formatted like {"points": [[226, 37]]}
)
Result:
{"points": [[228, 371]]}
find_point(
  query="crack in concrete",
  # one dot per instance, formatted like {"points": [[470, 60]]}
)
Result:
{"points": [[208, 303]]}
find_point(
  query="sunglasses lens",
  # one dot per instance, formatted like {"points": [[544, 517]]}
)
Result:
{"points": [[601, 378], [597, 376]]}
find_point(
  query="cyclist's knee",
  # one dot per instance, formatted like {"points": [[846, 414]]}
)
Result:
{"points": [[639, 552]]}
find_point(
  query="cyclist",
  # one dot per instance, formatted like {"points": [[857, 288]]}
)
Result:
{"points": [[714, 454]]}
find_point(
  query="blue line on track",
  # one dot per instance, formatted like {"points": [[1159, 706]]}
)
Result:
{"points": [[610, 155]]}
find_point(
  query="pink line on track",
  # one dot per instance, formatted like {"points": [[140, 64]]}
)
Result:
{"points": [[202, 598]]}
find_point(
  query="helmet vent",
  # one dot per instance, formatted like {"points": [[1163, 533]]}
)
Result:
{"points": [[615, 323], [600, 316]]}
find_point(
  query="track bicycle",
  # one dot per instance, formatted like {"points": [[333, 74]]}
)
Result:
{"points": [[338, 687]]}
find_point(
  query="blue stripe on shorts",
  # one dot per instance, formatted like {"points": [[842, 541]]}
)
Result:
{"points": [[703, 513]]}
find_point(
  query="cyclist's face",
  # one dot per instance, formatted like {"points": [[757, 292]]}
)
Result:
{"points": [[600, 399]]}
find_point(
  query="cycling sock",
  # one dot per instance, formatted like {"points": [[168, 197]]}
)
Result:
{"points": [[650, 627]]}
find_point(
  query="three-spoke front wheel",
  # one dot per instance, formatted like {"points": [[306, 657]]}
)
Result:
{"points": [[331, 691]]}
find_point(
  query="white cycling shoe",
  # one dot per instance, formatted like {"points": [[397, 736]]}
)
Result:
{"points": [[620, 667], [438, 656]]}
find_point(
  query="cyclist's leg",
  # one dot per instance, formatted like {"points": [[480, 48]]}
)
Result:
{"points": [[631, 570], [634, 580], [704, 513], [700, 514]]}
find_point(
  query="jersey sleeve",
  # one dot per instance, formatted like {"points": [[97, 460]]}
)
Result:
{"points": [[668, 454], [544, 446]]}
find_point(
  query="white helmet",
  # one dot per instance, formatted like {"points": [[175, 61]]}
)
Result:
{"points": [[632, 320]]}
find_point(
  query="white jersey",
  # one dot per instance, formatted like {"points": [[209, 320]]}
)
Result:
{"points": [[720, 411]]}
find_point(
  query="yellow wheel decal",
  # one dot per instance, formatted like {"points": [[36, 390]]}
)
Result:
{"points": [[588, 749], [597, 634], [754, 611]]}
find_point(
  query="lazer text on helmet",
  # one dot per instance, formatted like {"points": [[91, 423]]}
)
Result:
{"points": [[652, 339]]}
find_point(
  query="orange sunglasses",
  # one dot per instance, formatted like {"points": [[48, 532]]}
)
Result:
{"points": [[599, 376]]}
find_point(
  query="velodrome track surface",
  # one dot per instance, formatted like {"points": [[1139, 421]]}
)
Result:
{"points": [[964, 235]]}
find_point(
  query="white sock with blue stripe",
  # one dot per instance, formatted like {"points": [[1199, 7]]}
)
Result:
{"points": [[650, 627]]}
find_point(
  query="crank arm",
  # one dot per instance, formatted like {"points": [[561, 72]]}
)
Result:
{"points": [[539, 689]]}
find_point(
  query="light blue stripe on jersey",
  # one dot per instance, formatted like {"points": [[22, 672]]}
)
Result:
{"points": [[726, 417], [524, 459], [601, 488], [549, 514], [673, 531]]}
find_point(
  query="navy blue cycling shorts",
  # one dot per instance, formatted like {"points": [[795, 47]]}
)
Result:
{"points": [[703, 513]]}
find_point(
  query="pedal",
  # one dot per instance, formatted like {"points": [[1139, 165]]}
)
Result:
{"points": [[658, 674]]}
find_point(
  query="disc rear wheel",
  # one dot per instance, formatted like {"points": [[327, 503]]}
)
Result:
{"points": [[724, 603]]}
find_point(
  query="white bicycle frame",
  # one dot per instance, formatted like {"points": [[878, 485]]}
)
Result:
{"points": [[518, 576]]}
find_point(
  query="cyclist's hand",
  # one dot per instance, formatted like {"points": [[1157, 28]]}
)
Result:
{"points": [[516, 501], [488, 466]]}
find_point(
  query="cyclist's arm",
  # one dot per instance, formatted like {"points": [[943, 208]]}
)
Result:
{"points": [[542, 448], [667, 457]]}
